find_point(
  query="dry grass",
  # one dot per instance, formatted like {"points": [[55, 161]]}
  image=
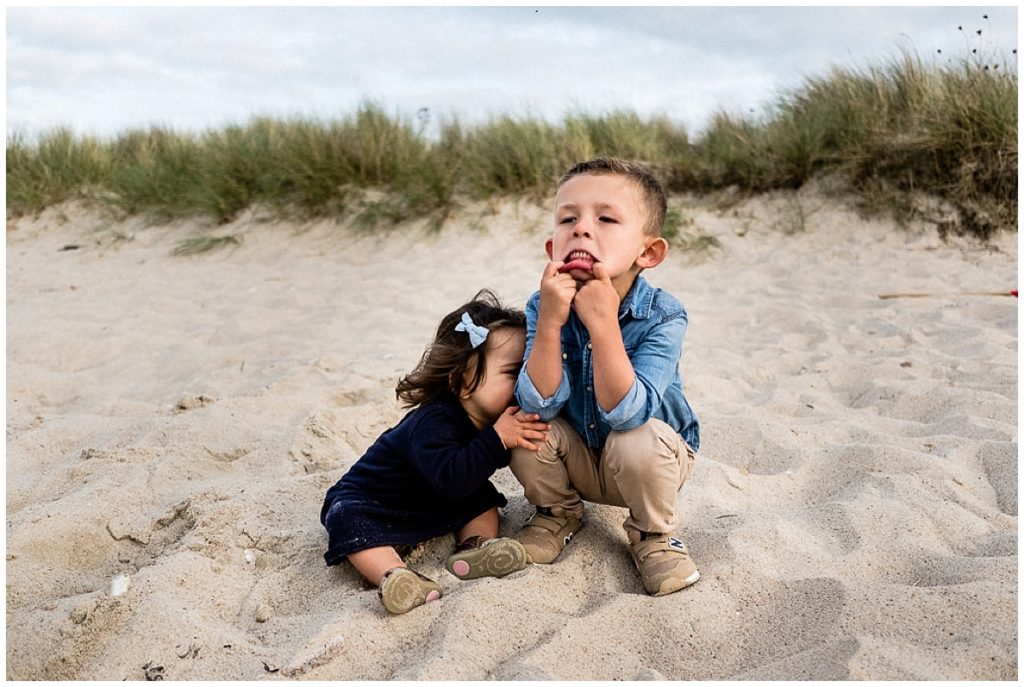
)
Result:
{"points": [[891, 130]]}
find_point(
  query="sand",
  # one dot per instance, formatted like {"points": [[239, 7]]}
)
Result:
{"points": [[173, 423]]}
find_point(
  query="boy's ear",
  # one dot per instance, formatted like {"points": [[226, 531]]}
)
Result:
{"points": [[654, 253], [548, 245]]}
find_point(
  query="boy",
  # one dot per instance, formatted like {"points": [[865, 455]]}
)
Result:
{"points": [[602, 354]]}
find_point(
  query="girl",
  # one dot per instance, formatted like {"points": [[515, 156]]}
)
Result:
{"points": [[428, 475]]}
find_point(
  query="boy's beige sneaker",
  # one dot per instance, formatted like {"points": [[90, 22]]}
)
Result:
{"points": [[403, 589], [481, 557], [664, 563], [545, 535]]}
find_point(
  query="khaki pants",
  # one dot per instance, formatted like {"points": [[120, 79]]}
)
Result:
{"points": [[640, 469]]}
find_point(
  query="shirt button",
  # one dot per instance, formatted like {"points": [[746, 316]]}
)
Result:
{"points": [[565, 356], [591, 425], [590, 388], [588, 344]]}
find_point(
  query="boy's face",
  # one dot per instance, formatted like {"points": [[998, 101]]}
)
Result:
{"points": [[599, 218]]}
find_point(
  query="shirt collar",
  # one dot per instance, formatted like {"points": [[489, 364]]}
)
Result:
{"points": [[638, 299]]}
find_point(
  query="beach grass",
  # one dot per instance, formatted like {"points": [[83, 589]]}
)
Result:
{"points": [[890, 131], [204, 244]]}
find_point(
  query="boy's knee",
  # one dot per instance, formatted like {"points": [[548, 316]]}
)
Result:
{"points": [[637, 452], [559, 434]]}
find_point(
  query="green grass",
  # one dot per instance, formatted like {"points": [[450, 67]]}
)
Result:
{"points": [[57, 167], [204, 244], [889, 130]]}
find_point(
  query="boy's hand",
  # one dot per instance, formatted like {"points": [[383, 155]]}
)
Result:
{"points": [[517, 429], [597, 301], [557, 292]]}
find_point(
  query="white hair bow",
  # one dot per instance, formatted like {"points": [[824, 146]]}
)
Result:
{"points": [[477, 334]]}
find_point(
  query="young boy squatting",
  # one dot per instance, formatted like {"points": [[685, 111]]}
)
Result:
{"points": [[602, 366]]}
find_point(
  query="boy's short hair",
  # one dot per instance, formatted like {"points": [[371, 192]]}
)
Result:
{"points": [[652, 195]]}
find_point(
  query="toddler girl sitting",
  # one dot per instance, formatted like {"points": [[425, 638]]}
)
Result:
{"points": [[429, 475]]}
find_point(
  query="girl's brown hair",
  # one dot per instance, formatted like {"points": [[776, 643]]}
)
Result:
{"points": [[450, 356]]}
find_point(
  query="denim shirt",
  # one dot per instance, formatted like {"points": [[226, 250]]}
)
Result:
{"points": [[653, 325]]}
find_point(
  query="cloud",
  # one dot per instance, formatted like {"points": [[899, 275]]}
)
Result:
{"points": [[105, 69]]}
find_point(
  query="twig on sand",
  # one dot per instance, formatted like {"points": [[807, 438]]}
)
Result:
{"points": [[886, 296]]}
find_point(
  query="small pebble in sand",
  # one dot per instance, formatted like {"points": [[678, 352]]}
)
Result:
{"points": [[263, 613], [250, 556], [648, 674], [153, 672], [119, 585], [185, 652]]}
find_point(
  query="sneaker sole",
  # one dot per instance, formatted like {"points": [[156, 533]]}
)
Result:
{"points": [[404, 591], [496, 559], [669, 586]]}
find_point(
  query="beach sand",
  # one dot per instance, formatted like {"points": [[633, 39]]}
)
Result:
{"points": [[173, 423]]}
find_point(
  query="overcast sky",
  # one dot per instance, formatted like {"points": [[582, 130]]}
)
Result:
{"points": [[105, 70]]}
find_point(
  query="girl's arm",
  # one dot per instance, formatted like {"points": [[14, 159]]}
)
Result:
{"points": [[453, 466]]}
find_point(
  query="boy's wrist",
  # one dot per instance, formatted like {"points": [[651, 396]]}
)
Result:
{"points": [[548, 322], [548, 330], [606, 336], [603, 324]]}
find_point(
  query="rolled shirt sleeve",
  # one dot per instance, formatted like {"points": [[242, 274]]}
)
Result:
{"points": [[631, 406], [531, 401]]}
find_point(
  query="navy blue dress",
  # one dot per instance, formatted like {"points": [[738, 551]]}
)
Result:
{"points": [[425, 477]]}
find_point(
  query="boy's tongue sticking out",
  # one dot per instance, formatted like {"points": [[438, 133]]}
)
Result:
{"points": [[578, 260]]}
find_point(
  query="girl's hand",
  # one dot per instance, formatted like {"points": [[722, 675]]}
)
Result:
{"points": [[518, 430], [557, 291]]}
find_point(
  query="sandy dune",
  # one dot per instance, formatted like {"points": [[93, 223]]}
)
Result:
{"points": [[173, 423]]}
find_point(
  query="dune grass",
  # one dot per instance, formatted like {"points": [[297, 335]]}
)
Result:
{"points": [[890, 130], [204, 244]]}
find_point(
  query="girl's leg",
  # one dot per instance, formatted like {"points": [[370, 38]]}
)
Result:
{"points": [[373, 563], [400, 588], [484, 525], [480, 554]]}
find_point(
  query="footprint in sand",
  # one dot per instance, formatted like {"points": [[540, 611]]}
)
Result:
{"points": [[999, 459], [322, 445]]}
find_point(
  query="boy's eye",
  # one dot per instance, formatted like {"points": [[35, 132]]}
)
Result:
{"points": [[610, 220], [566, 220]]}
